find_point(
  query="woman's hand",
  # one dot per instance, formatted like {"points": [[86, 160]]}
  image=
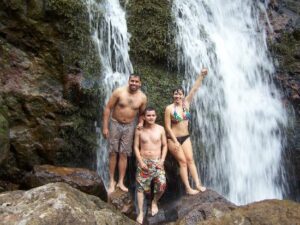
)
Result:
{"points": [[196, 85], [177, 145], [204, 72]]}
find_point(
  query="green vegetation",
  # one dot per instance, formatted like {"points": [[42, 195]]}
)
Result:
{"points": [[158, 85], [287, 52], [149, 24]]}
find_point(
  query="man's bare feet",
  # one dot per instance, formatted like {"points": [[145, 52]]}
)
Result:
{"points": [[192, 191], [154, 208], [122, 187], [139, 219], [111, 188], [201, 188]]}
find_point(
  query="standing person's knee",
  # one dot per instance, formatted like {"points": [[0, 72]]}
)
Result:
{"points": [[123, 156], [190, 161], [112, 155], [182, 163]]}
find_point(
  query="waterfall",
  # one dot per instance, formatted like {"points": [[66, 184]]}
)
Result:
{"points": [[109, 33], [238, 117]]}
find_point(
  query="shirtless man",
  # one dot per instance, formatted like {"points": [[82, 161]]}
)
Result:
{"points": [[150, 147], [125, 104]]}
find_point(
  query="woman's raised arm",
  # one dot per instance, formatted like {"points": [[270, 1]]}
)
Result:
{"points": [[196, 85]]}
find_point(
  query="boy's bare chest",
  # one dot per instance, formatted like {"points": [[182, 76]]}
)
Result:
{"points": [[150, 137]]}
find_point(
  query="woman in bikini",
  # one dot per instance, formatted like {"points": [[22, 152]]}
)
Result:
{"points": [[177, 116]]}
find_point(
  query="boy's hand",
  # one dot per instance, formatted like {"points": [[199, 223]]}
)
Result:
{"points": [[161, 163], [143, 165]]}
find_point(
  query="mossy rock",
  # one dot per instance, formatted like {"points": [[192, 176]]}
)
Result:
{"points": [[158, 84], [149, 24], [4, 138], [285, 52], [53, 121]]}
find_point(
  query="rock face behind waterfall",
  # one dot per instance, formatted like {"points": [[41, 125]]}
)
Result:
{"points": [[48, 94], [57, 204], [285, 47]]}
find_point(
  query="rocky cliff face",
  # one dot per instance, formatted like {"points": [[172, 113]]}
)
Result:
{"points": [[48, 96], [285, 47]]}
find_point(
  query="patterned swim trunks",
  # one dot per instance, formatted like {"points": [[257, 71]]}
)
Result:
{"points": [[121, 137], [144, 177]]}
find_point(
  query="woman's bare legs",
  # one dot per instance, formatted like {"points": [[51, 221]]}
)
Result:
{"points": [[188, 152], [183, 169]]}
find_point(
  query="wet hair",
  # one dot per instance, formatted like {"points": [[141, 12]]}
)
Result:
{"points": [[178, 89], [134, 75], [149, 108]]}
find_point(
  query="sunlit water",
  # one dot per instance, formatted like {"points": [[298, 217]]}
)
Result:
{"points": [[238, 110], [109, 32]]}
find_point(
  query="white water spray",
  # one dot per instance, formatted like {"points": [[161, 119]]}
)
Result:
{"points": [[109, 32], [237, 111]]}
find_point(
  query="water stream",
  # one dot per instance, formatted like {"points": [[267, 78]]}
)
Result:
{"points": [[237, 111], [109, 33]]}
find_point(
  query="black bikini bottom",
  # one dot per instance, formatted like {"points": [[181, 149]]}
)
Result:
{"points": [[181, 139]]}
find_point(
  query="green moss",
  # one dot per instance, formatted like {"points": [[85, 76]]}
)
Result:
{"points": [[57, 33], [3, 127], [158, 84], [4, 138], [284, 51], [16, 5], [80, 144], [148, 22], [293, 5]]}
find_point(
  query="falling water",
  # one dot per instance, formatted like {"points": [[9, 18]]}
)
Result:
{"points": [[109, 33], [238, 110]]}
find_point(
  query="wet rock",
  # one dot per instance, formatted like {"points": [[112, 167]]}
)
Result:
{"points": [[281, 212], [192, 209], [123, 201], [41, 43], [285, 50], [57, 203], [4, 139], [83, 179], [8, 186]]}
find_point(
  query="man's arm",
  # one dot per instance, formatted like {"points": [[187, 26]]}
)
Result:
{"points": [[196, 85], [110, 104], [141, 111], [136, 146]]}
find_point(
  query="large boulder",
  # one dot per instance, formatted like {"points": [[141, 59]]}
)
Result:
{"points": [[190, 209], [123, 201], [281, 212], [55, 204], [83, 179]]}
